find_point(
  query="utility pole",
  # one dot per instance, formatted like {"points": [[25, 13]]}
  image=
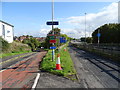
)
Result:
{"points": [[119, 12], [53, 54], [85, 27]]}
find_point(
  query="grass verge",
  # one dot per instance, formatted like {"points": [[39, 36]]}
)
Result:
{"points": [[3, 55], [67, 65]]}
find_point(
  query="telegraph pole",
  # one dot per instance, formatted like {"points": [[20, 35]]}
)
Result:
{"points": [[85, 27], [119, 12], [53, 51]]}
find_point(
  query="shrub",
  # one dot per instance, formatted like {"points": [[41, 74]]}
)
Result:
{"points": [[4, 45]]}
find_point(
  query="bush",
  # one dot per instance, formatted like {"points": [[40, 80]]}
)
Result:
{"points": [[4, 46]]}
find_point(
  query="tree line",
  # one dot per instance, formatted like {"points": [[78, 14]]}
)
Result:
{"points": [[109, 33]]}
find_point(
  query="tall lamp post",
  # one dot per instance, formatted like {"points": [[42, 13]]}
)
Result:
{"points": [[53, 54], [85, 27]]}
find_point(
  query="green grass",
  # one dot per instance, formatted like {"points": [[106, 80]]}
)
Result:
{"points": [[68, 69], [3, 55]]}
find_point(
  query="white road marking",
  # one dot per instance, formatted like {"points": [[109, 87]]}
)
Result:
{"points": [[36, 81], [2, 70]]}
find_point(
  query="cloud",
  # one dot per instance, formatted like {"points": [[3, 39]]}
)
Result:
{"points": [[108, 14], [59, 0], [74, 26], [44, 31]]}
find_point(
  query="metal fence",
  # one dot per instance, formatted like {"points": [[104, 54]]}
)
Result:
{"points": [[111, 51]]}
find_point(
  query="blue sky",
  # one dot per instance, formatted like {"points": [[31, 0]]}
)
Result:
{"points": [[31, 17]]}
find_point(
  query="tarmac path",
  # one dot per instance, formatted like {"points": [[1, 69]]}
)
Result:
{"points": [[23, 73]]}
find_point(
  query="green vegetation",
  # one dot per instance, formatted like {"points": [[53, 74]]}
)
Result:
{"points": [[57, 33], [66, 64], [4, 45], [11, 54], [14, 48], [110, 33], [32, 42], [88, 39]]}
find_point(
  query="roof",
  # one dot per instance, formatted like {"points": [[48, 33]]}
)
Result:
{"points": [[6, 23]]}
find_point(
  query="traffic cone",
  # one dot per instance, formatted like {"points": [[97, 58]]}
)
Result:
{"points": [[58, 66], [64, 49]]}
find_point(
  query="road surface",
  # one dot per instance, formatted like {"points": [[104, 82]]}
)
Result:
{"points": [[22, 73], [94, 71]]}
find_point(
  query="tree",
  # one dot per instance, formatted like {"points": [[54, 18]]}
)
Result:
{"points": [[57, 35], [4, 45], [32, 42], [110, 33]]}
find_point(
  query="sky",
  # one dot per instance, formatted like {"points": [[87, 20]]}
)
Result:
{"points": [[29, 18]]}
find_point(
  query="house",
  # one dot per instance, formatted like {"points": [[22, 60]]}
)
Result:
{"points": [[41, 39], [6, 31], [21, 38]]}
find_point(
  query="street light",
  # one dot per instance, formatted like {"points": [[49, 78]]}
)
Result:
{"points": [[53, 52], [85, 27]]}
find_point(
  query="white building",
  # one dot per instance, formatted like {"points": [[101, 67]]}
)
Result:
{"points": [[6, 31]]}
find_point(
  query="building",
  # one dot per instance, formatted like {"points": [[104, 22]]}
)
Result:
{"points": [[41, 39], [6, 31], [21, 38]]}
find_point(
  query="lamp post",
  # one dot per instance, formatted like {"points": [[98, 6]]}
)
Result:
{"points": [[53, 54], [119, 12], [85, 27]]}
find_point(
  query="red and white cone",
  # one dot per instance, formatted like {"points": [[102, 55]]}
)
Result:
{"points": [[64, 49], [58, 66]]}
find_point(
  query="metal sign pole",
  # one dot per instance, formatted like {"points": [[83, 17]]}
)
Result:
{"points": [[98, 37], [53, 54]]}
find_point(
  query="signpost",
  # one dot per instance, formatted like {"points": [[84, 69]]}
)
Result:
{"points": [[53, 47], [52, 41], [52, 37], [62, 40], [98, 35], [52, 23]]}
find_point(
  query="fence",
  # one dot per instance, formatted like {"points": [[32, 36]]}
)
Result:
{"points": [[111, 51]]}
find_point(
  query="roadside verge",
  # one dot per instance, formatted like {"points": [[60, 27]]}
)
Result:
{"points": [[67, 65]]}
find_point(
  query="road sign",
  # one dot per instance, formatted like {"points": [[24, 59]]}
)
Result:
{"points": [[52, 41], [52, 37], [53, 47], [62, 40], [98, 35], [52, 23]]}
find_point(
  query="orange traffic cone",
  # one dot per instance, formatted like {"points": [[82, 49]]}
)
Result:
{"points": [[58, 66], [64, 49]]}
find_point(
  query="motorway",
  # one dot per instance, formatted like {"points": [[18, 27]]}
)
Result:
{"points": [[94, 71]]}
